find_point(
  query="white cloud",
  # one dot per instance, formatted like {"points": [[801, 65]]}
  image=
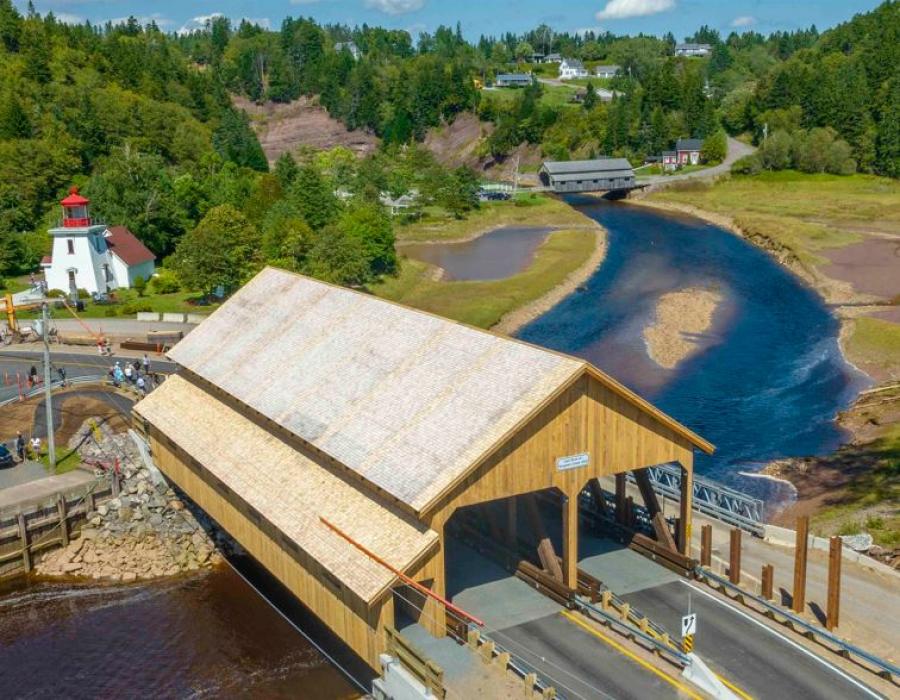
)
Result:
{"points": [[263, 22], [395, 7], [743, 21], [621, 9], [67, 18], [197, 23]]}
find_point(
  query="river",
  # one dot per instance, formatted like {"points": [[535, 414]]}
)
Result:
{"points": [[767, 385]]}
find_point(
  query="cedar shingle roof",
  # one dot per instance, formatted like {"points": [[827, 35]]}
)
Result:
{"points": [[290, 490], [405, 399]]}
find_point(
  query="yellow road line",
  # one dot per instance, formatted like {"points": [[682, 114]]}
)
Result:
{"points": [[733, 688], [631, 655]]}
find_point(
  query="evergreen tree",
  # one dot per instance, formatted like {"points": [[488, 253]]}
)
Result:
{"points": [[286, 169], [10, 25], [590, 96], [235, 141], [14, 122], [313, 197]]}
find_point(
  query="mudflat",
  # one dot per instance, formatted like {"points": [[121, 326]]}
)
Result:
{"points": [[680, 324]]}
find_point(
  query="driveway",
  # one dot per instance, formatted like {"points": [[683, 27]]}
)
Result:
{"points": [[736, 149]]}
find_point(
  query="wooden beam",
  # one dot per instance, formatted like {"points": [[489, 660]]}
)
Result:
{"points": [[663, 536], [684, 519], [642, 477], [597, 497], [832, 616], [23, 541], [546, 552], [620, 499], [800, 552], [570, 541]]}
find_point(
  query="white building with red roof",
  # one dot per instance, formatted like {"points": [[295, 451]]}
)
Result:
{"points": [[89, 255]]}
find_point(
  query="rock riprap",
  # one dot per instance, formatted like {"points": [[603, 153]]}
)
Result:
{"points": [[146, 532]]}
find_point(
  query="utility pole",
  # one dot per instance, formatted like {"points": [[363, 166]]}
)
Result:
{"points": [[48, 406]]}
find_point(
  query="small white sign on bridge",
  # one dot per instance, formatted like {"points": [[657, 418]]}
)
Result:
{"points": [[573, 461], [689, 625]]}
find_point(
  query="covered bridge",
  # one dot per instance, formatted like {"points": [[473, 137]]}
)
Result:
{"points": [[334, 434], [597, 175]]}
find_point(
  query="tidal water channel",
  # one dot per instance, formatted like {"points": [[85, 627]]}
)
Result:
{"points": [[766, 383]]}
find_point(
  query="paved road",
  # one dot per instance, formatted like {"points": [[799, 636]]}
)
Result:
{"points": [[15, 359], [736, 149], [532, 628], [761, 661]]}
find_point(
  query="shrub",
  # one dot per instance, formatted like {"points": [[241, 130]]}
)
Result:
{"points": [[748, 165], [134, 307], [715, 148], [111, 311], [56, 294], [775, 151], [140, 285], [164, 282], [83, 293]]}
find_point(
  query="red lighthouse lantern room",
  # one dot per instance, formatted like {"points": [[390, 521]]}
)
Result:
{"points": [[75, 210]]}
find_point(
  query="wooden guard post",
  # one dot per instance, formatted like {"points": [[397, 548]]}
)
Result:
{"points": [[706, 546], [800, 552], [734, 557], [768, 581], [832, 615]]}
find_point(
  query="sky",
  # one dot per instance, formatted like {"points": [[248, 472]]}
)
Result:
{"points": [[491, 17]]}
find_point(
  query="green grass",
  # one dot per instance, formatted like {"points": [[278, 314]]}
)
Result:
{"points": [[875, 341], [13, 285], [804, 213], [876, 488], [484, 303], [66, 460], [526, 210], [128, 302], [552, 96]]}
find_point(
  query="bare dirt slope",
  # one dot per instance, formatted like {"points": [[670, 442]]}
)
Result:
{"points": [[460, 143], [287, 127]]}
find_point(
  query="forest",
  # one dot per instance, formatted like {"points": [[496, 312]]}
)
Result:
{"points": [[144, 122]]}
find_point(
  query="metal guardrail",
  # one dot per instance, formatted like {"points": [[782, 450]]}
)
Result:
{"points": [[886, 669], [627, 630], [710, 497]]}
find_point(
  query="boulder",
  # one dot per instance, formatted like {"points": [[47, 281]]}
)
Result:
{"points": [[129, 576], [103, 510], [71, 567], [125, 514]]}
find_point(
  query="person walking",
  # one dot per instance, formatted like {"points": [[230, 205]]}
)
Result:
{"points": [[146, 364], [36, 447], [32, 376], [141, 385], [129, 373], [20, 446], [61, 371], [118, 375]]}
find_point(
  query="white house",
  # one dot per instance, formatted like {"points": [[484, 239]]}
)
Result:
{"points": [[572, 68], [89, 255], [693, 50], [607, 71]]}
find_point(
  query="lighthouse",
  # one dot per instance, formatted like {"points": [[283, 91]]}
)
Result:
{"points": [[90, 255]]}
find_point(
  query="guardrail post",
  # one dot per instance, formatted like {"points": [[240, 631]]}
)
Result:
{"points": [[625, 610], [768, 581], [605, 599], [63, 522], [800, 553], [23, 539], [734, 557], [832, 615], [549, 693], [487, 651], [472, 638], [706, 546], [530, 681]]}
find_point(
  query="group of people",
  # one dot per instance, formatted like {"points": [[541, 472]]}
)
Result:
{"points": [[136, 373], [27, 448]]}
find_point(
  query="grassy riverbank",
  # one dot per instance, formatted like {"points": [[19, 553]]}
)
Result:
{"points": [[838, 234], [563, 261], [525, 210], [484, 303]]}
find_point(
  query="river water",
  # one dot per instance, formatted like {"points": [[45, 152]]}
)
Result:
{"points": [[767, 385]]}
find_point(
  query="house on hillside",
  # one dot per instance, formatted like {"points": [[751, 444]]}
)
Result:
{"points": [[552, 58], [348, 46], [571, 68], [687, 152], [607, 71], [513, 80], [88, 255], [693, 50]]}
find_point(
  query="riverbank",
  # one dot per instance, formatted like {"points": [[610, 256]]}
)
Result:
{"points": [[680, 322], [563, 262], [834, 234], [146, 532]]}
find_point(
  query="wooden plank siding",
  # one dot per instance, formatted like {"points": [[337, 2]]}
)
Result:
{"points": [[586, 418], [361, 627]]}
